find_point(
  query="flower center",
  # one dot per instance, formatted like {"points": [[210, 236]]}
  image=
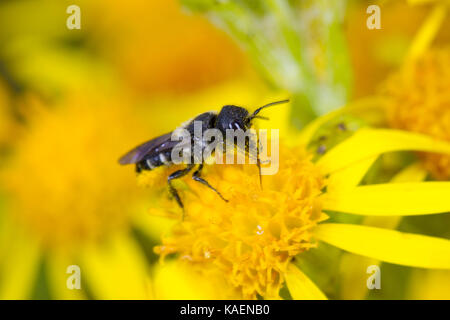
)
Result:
{"points": [[419, 101], [250, 240]]}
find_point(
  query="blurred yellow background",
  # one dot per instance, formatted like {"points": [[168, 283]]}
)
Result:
{"points": [[73, 101]]}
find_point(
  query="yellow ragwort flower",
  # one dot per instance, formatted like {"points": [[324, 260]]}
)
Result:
{"points": [[419, 101], [66, 155], [249, 242], [69, 203], [252, 238]]}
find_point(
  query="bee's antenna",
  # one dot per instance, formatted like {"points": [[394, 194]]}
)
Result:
{"points": [[260, 117], [253, 115]]}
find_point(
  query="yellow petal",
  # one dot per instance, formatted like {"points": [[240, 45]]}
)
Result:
{"points": [[19, 267], [350, 177], [177, 281], [153, 226], [300, 286], [397, 199], [361, 105], [413, 173], [353, 267], [6, 235], [115, 269], [367, 143], [427, 32], [57, 263], [353, 276], [388, 245], [429, 284]]}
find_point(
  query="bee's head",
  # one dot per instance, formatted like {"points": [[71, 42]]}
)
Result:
{"points": [[232, 117], [238, 118]]}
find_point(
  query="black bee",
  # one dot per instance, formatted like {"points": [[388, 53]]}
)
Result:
{"points": [[158, 151]]}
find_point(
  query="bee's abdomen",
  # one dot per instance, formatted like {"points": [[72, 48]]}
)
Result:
{"points": [[153, 161]]}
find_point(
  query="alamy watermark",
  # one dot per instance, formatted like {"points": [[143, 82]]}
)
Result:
{"points": [[374, 281], [74, 280], [211, 146], [74, 20], [374, 20]]}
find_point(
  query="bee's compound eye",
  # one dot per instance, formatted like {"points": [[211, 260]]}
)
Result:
{"points": [[235, 125]]}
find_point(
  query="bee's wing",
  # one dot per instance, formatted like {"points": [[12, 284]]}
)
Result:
{"points": [[155, 145]]}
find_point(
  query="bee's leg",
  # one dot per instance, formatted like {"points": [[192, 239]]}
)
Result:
{"points": [[176, 175], [258, 161], [196, 177], [138, 168]]}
